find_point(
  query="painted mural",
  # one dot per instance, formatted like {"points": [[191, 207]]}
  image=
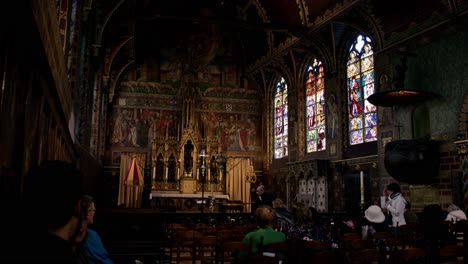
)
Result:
{"points": [[236, 132], [136, 127]]}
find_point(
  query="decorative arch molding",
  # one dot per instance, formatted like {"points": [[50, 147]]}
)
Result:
{"points": [[115, 51], [263, 15], [97, 45], [115, 80], [372, 26], [281, 70], [322, 55], [303, 12]]}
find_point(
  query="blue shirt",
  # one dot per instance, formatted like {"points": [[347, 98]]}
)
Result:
{"points": [[94, 249]]}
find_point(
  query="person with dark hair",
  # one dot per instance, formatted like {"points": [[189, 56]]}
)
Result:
{"points": [[265, 218], [434, 233], [395, 204], [50, 218]]}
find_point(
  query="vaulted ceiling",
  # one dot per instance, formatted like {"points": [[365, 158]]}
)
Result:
{"points": [[252, 32]]}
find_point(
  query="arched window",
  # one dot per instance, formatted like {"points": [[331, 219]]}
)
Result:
{"points": [[360, 75], [281, 119], [315, 106]]}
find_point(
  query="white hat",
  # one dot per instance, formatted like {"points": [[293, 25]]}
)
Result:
{"points": [[374, 214]]}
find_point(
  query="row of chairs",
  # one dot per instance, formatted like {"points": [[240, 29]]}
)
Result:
{"points": [[387, 247]]}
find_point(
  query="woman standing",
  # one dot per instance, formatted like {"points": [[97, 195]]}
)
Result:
{"points": [[395, 204]]}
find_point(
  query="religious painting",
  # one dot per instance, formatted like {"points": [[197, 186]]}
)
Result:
{"points": [[236, 132], [136, 127]]}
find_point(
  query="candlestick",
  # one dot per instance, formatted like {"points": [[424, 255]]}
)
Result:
{"points": [[362, 187]]}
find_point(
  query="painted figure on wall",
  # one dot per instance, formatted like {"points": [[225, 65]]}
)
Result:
{"points": [[332, 116], [137, 127]]}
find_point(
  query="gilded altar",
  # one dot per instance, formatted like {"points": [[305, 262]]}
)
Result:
{"points": [[188, 185]]}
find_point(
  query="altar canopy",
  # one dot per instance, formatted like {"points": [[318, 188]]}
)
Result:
{"points": [[237, 186], [131, 179]]}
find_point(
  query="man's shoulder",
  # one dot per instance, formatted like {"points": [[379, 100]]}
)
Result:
{"points": [[91, 232]]}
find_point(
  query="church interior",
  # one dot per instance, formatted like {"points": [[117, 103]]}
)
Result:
{"points": [[177, 110]]}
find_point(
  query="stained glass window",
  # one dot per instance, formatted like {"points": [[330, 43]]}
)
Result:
{"points": [[315, 107], [360, 75], [281, 119]]}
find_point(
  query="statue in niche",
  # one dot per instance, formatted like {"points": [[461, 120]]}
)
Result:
{"points": [[188, 160]]}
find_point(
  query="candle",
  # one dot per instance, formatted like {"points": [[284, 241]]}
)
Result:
{"points": [[154, 173], [362, 187]]}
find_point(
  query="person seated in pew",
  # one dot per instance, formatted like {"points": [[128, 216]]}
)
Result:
{"points": [[265, 218], [455, 214], [50, 217], [284, 216], [91, 249], [374, 222], [308, 226], [410, 216]]}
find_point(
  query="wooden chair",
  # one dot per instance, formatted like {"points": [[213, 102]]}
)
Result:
{"points": [[226, 235], [381, 235], [353, 248], [306, 248], [279, 249], [452, 254], [328, 257], [186, 245], [406, 236], [351, 236], [459, 230], [370, 256], [207, 249], [313, 245], [264, 259], [405, 255], [170, 239], [229, 252]]}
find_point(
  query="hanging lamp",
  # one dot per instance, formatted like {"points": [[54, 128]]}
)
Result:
{"points": [[399, 95]]}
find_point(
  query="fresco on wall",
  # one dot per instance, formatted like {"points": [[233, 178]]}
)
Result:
{"points": [[145, 87], [135, 127], [236, 132]]}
